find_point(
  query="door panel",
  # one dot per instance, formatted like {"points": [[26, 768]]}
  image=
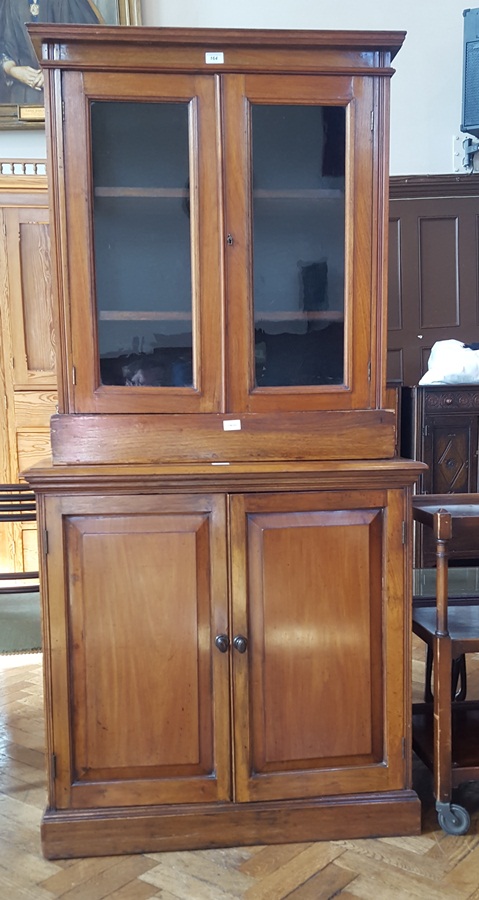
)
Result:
{"points": [[30, 294], [450, 447], [146, 597], [433, 271], [309, 690]]}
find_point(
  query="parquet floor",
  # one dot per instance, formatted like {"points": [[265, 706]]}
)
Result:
{"points": [[433, 865]]}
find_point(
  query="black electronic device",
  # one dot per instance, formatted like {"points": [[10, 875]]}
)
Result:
{"points": [[470, 75]]}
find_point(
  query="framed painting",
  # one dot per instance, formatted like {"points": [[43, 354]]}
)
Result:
{"points": [[21, 79]]}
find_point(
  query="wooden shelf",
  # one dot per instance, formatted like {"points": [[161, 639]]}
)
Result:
{"points": [[148, 192], [258, 194], [465, 735], [298, 194], [174, 316], [119, 315], [332, 315]]}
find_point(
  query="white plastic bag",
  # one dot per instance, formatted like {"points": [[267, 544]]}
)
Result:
{"points": [[450, 362]]}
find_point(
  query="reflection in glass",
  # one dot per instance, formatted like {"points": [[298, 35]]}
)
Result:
{"points": [[298, 244], [463, 581], [142, 243]]}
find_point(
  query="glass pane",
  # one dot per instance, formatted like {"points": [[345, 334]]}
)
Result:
{"points": [[298, 244], [142, 243]]}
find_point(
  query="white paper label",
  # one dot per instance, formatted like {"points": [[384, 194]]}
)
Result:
{"points": [[214, 58], [232, 425]]}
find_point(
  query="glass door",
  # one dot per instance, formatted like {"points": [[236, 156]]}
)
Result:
{"points": [[155, 310], [291, 264]]}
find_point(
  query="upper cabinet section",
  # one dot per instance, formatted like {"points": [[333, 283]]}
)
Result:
{"points": [[220, 208]]}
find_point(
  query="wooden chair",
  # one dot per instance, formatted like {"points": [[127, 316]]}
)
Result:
{"points": [[17, 504], [446, 724]]}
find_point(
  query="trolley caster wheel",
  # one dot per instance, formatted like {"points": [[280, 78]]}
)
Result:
{"points": [[452, 818]]}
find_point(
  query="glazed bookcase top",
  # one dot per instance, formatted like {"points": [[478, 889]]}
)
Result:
{"points": [[219, 205]]}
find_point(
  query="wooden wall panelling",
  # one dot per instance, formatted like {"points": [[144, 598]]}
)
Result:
{"points": [[34, 406], [395, 354], [32, 446], [433, 269]]}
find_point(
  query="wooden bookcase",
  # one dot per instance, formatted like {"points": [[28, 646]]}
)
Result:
{"points": [[227, 573]]}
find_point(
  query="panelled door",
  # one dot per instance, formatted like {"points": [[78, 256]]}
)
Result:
{"points": [[317, 660], [139, 702]]}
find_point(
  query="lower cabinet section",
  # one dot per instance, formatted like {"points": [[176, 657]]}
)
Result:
{"points": [[225, 667]]}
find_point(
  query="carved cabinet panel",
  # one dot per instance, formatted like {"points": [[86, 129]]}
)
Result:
{"points": [[440, 426]]}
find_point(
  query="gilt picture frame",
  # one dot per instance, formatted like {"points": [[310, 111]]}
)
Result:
{"points": [[21, 91]]}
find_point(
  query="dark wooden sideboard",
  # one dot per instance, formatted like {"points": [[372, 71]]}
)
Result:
{"points": [[440, 426]]}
